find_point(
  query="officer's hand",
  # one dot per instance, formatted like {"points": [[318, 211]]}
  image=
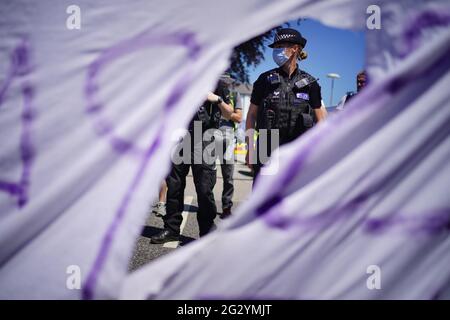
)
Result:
{"points": [[212, 97]]}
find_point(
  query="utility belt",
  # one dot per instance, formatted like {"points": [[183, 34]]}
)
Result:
{"points": [[291, 120]]}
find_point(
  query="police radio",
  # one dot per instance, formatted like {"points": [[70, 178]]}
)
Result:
{"points": [[202, 115], [270, 118]]}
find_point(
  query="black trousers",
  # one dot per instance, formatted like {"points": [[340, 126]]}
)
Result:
{"points": [[226, 159], [228, 184], [204, 180]]}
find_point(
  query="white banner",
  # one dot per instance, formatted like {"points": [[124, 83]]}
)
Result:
{"points": [[88, 91]]}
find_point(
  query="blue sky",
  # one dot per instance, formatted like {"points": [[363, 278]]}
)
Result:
{"points": [[330, 50]]}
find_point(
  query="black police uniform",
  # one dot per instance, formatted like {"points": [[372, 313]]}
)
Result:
{"points": [[284, 103], [204, 174]]}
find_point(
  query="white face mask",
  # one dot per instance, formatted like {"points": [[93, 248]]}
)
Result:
{"points": [[279, 56]]}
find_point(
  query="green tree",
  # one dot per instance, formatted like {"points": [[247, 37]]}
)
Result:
{"points": [[251, 53]]}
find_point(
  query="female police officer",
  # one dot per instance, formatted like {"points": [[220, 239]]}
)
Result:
{"points": [[286, 98]]}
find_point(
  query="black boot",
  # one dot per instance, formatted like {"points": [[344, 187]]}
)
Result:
{"points": [[226, 212], [204, 231], [164, 236]]}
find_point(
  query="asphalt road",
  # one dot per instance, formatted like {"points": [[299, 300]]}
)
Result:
{"points": [[145, 252]]}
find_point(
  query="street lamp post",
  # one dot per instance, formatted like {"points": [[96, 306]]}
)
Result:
{"points": [[332, 76]]}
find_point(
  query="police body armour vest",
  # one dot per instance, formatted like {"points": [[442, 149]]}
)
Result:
{"points": [[286, 106]]}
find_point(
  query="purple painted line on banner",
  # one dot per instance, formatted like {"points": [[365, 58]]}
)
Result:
{"points": [[431, 222], [424, 21], [26, 148], [186, 40], [88, 289], [6, 84], [10, 187], [323, 219], [20, 67], [94, 107]]}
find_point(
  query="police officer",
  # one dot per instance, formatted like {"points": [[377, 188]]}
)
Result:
{"points": [[286, 98], [361, 80], [203, 168]]}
